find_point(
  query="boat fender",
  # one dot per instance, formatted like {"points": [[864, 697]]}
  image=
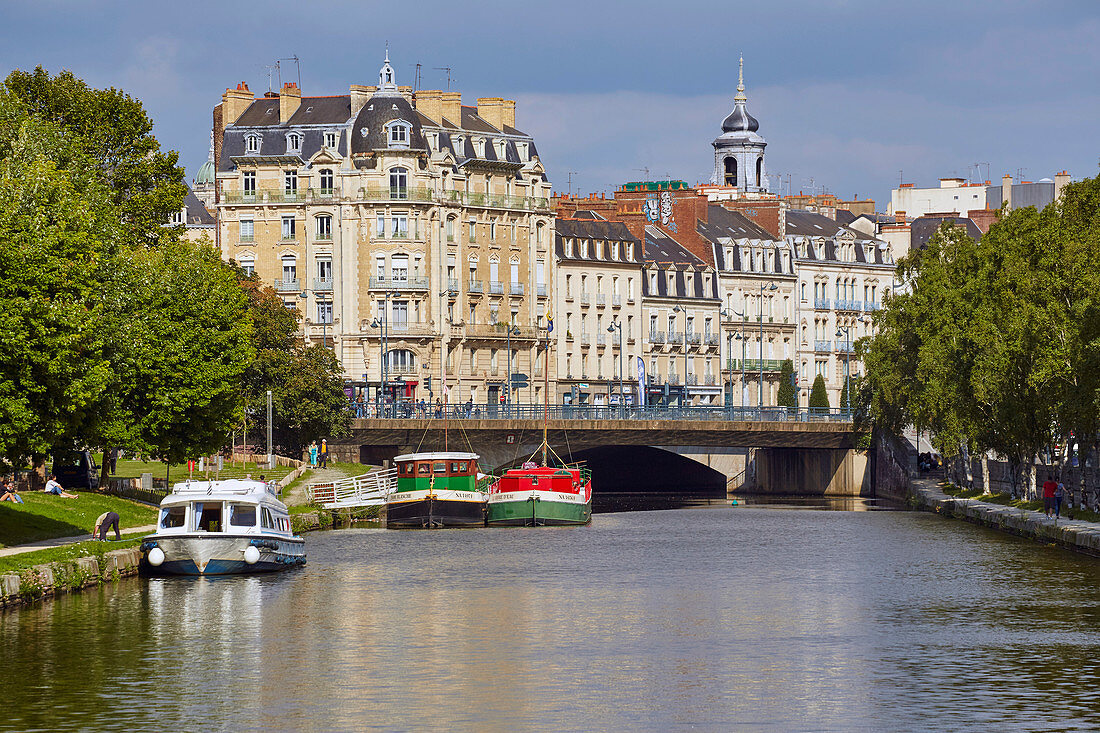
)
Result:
{"points": [[156, 557], [251, 555]]}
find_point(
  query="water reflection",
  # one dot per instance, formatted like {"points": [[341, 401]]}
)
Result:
{"points": [[717, 617]]}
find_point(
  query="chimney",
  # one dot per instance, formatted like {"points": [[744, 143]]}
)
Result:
{"points": [[1006, 190], [359, 96], [491, 109], [508, 115], [407, 93], [290, 99], [429, 102], [452, 107], [1061, 180], [235, 102]]}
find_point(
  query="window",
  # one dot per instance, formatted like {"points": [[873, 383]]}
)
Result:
{"points": [[326, 180], [614, 250], [538, 232], [399, 183], [324, 227], [290, 268], [248, 230], [400, 267], [630, 251], [400, 313], [288, 227], [450, 228], [172, 516], [293, 142], [266, 520], [290, 183], [492, 231], [252, 143], [324, 311], [249, 266], [330, 139], [242, 515], [380, 226], [324, 269], [400, 225], [399, 133], [584, 248], [248, 179], [473, 230]]}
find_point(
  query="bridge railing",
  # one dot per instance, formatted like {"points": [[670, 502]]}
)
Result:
{"points": [[370, 489], [526, 411]]}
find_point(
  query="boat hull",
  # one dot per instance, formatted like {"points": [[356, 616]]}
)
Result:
{"points": [[200, 554], [536, 509], [438, 510]]}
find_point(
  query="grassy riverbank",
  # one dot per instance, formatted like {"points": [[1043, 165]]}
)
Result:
{"points": [[134, 469], [66, 553], [45, 516], [1035, 505]]}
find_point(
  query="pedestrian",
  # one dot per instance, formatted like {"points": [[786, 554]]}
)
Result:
{"points": [[324, 453], [360, 403], [1059, 494], [313, 454], [52, 487], [1049, 487], [106, 521], [438, 407], [8, 492], [469, 407]]}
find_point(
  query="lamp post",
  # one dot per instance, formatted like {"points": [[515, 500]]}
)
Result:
{"points": [[760, 315], [683, 393], [385, 342], [508, 360], [304, 295], [729, 350], [611, 329], [846, 331]]}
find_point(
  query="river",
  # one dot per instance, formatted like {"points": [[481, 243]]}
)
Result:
{"points": [[718, 618]]}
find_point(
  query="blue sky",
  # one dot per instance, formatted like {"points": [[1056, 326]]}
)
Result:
{"points": [[847, 93]]}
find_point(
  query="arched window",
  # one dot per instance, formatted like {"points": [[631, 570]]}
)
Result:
{"points": [[324, 227], [731, 171], [399, 183], [450, 229], [400, 361], [252, 143], [293, 142], [759, 170]]}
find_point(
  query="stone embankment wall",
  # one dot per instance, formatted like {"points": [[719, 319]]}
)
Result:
{"points": [[1082, 483], [45, 581]]}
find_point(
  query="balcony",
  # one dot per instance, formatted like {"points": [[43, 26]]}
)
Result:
{"points": [[673, 378], [693, 379], [489, 201], [601, 339], [475, 287], [849, 305], [601, 299], [496, 287], [409, 329], [821, 304], [452, 285], [585, 299], [694, 338], [871, 306], [322, 283], [754, 365], [616, 301], [656, 337], [408, 283], [322, 193], [395, 193], [246, 238], [713, 339], [711, 380], [541, 290], [675, 337], [585, 339], [287, 285], [239, 197], [515, 288], [823, 346], [845, 346], [496, 331]]}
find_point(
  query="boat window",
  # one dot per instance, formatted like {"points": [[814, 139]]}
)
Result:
{"points": [[172, 516], [424, 468], [408, 467], [454, 467], [534, 480], [464, 466], [208, 516], [242, 515], [266, 518], [440, 467]]}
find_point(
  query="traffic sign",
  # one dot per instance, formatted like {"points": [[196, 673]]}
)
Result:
{"points": [[520, 385], [517, 377]]}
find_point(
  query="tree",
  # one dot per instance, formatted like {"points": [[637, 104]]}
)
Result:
{"points": [[819, 397], [845, 402], [306, 383], [787, 395], [112, 135]]}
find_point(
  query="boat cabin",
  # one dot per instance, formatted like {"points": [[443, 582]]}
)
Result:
{"points": [[423, 471], [561, 480], [227, 507]]}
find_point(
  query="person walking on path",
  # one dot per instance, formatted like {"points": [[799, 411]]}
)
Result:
{"points": [[324, 453], [1059, 494], [1049, 487], [106, 521], [313, 454], [52, 487]]}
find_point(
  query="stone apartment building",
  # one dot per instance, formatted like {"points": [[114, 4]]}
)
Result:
{"points": [[413, 233]]}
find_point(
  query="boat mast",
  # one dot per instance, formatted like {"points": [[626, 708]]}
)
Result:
{"points": [[545, 395]]}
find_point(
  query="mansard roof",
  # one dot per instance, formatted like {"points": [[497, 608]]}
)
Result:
{"points": [[589, 228], [922, 228], [195, 212]]}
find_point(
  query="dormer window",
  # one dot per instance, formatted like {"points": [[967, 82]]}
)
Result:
{"points": [[524, 151], [293, 142], [252, 143], [584, 248], [479, 146], [330, 139], [460, 145], [397, 133], [615, 250]]}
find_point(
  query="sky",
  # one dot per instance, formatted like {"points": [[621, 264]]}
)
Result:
{"points": [[853, 97]]}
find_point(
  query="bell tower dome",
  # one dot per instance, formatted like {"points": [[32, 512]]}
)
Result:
{"points": [[739, 150]]}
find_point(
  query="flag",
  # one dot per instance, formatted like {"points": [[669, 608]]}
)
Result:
{"points": [[641, 382], [549, 322]]}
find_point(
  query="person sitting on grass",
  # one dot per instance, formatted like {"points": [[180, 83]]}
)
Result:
{"points": [[8, 492], [106, 521], [52, 487]]}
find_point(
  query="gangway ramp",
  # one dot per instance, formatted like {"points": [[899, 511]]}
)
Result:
{"points": [[370, 489]]}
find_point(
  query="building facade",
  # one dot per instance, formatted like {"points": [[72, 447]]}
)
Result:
{"points": [[413, 233]]}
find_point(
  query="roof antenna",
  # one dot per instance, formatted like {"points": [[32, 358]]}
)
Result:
{"points": [[448, 69], [416, 78], [297, 66], [271, 70], [571, 174]]}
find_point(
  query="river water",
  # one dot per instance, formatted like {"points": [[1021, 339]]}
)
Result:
{"points": [[711, 618]]}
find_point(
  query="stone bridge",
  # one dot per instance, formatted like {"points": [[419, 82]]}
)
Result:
{"points": [[782, 457]]}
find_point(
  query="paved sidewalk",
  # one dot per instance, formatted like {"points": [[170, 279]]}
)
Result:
{"points": [[298, 495], [62, 541]]}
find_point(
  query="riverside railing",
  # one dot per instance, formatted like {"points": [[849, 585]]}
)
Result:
{"points": [[728, 413]]}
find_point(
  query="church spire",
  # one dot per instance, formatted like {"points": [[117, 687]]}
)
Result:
{"points": [[741, 98], [387, 80]]}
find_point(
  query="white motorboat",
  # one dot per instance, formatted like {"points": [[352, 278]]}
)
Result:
{"points": [[222, 527]]}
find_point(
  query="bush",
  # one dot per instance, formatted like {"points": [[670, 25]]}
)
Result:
{"points": [[819, 398]]}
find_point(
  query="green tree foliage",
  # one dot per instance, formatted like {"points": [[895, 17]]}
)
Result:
{"points": [[844, 403], [306, 383], [819, 397], [787, 395], [112, 134]]}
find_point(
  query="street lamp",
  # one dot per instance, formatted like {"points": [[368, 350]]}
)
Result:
{"points": [[760, 310], [385, 342], [683, 394], [729, 350], [846, 331], [304, 295], [611, 329], [510, 331]]}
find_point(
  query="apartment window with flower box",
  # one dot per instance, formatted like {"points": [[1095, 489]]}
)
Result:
{"points": [[288, 227], [248, 230], [324, 227]]}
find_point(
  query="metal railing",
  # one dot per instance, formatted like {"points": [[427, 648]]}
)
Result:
{"points": [[541, 290], [322, 283], [821, 303], [452, 285], [713, 339], [287, 285], [584, 299], [496, 287], [846, 346], [823, 346], [408, 283], [616, 301], [717, 413], [694, 338], [476, 286], [656, 337], [601, 299], [675, 337], [515, 288], [370, 489]]}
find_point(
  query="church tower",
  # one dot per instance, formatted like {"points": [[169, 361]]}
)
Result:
{"points": [[739, 150]]}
